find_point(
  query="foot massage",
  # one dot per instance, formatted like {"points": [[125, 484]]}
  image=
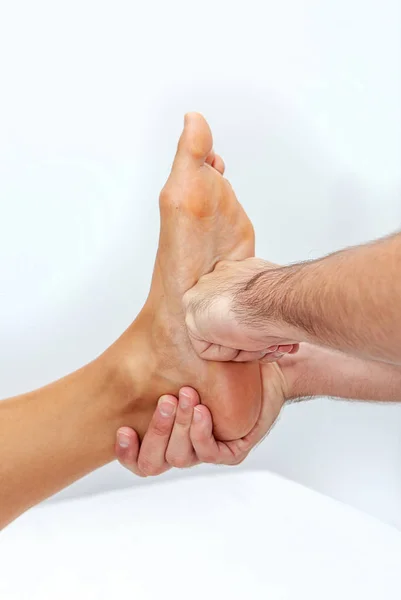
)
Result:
{"points": [[223, 342]]}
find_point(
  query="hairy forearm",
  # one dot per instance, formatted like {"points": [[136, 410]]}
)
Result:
{"points": [[350, 300], [318, 371]]}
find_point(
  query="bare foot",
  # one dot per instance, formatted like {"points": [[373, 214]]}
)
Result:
{"points": [[202, 223]]}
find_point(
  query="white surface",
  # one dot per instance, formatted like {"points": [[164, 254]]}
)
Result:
{"points": [[237, 536], [305, 101]]}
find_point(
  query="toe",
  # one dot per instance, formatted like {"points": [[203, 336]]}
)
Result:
{"points": [[218, 164], [196, 142], [215, 161], [210, 158]]}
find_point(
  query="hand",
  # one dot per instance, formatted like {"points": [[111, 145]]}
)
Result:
{"points": [[181, 431], [214, 325]]}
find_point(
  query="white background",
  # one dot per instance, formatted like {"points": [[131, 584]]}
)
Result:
{"points": [[305, 102], [219, 533]]}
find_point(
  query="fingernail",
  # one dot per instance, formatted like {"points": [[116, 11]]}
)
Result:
{"points": [[166, 407], [197, 415], [185, 400], [123, 440]]}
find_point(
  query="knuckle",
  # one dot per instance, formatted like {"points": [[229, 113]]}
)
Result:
{"points": [[161, 428], [237, 459], [208, 457], [222, 264], [190, 293], [186, 299], [183, 420], [147, 468], [179, 462], [139, 473], [188, 319]]}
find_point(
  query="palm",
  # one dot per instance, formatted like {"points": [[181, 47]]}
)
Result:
{"points": [[274, 394]]}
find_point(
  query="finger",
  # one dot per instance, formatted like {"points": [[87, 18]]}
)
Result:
{"points": [[285, 348], [222, 265], [271, 354], [151, 460], [271, 406], [214, 351], [180, 452], [204, 349], [206, 447], [127, 449], [272, 357], [247, 356]]}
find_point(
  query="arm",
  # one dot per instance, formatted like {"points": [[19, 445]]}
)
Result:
{"points": [[185, 436], [349, 301], [317, 371]]}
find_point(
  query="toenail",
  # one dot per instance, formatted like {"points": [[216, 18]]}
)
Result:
{"points": [[166, 407]]}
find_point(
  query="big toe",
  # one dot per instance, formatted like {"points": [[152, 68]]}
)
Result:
{"points": [[196, 142]]}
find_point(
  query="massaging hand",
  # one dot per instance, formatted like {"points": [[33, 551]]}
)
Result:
{"points": [[181, 431], [218, 323]]}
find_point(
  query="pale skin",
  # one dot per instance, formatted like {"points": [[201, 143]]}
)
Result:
{"points": [[348, 301], [184, 437], [55, 435]]}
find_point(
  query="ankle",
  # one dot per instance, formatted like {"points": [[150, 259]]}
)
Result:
{"points": [[129, 363]]}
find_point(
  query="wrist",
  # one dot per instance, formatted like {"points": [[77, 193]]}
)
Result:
{"points": [[301, 373], [317, 371], [272, 302], [306, 372]]}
